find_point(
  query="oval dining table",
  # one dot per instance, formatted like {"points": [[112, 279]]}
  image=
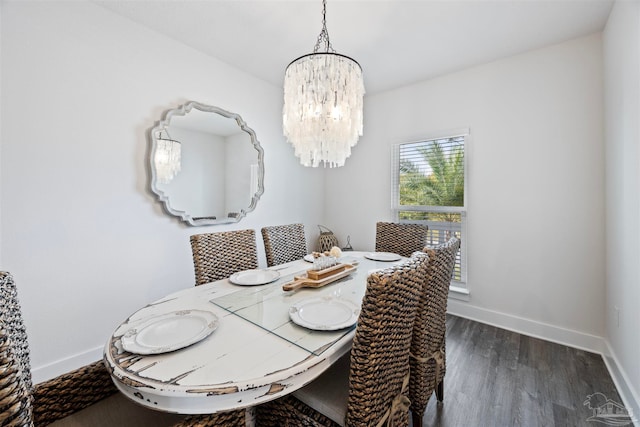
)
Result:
{"points": [[252, 351]]}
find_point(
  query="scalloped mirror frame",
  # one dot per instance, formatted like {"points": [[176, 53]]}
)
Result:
{"points": [[163, 198]]}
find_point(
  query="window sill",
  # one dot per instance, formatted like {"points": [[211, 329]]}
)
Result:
{"points": [[459, 293]]}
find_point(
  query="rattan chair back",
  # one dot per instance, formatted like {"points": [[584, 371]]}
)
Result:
{"points": [[379, 359], [15, 372], [15, 395], [11, 313], [284, 243], [378, 380], [218, 255], [428, 343], [402, 239]]}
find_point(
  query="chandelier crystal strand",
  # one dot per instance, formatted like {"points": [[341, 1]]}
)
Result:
{"points": [[323, 101], [167, 159]]}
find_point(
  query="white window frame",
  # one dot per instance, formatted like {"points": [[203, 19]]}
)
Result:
{"points": [[458, 289]]}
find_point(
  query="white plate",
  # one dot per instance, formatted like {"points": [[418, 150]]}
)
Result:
{"points": [[383, 256], [254, 277], [324, 313], [169, 332]]}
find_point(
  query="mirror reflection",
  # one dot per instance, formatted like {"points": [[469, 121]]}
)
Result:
{"points": [[207, 165]]}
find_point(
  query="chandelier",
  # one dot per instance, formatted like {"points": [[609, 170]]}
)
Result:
{"points": [[322, 114], [167, 158]]}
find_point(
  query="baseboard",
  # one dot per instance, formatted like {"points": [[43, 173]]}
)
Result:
{"points": [[629, 395], [528, 327], [62, 366]]}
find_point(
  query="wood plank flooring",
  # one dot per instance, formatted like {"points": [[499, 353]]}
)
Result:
{"points": [[500, 378]]}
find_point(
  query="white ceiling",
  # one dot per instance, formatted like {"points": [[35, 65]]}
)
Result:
{"points": [[396, 42]]}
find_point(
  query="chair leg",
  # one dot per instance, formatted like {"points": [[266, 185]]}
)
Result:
{"points": [[417, 419], [440, 391]]}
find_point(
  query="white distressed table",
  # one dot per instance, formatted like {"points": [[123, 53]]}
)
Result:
{"points": [[256, 354]]}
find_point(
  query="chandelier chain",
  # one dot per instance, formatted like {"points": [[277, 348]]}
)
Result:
{"points": [[323, 38]]}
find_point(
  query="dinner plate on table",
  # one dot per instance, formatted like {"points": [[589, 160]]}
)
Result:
{"points": [[170, 332], [254, 277], [325, 313], [383, 256]]}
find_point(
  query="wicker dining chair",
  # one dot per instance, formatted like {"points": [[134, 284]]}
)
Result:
{"points": [[370, 385], [85, 396], [218, 255], [284, 243], [402, 239], [428, 357]]}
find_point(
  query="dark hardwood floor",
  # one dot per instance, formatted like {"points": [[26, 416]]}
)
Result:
{"points": [[500, 378]]}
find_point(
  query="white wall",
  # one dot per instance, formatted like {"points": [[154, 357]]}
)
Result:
{"points": [[536, 178], [622, 123], [84, 238]]}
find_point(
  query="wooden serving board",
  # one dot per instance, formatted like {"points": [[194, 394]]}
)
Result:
{"points": [[325, 272], [326, 276]]}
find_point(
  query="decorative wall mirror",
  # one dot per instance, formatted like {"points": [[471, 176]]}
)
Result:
{"points": [[206, 165]]}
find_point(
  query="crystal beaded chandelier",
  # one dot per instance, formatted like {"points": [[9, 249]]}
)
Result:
{"points": [[323, 93], [167, 158]]}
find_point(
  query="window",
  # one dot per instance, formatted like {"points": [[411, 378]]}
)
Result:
{"points": [[429, 187]]}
